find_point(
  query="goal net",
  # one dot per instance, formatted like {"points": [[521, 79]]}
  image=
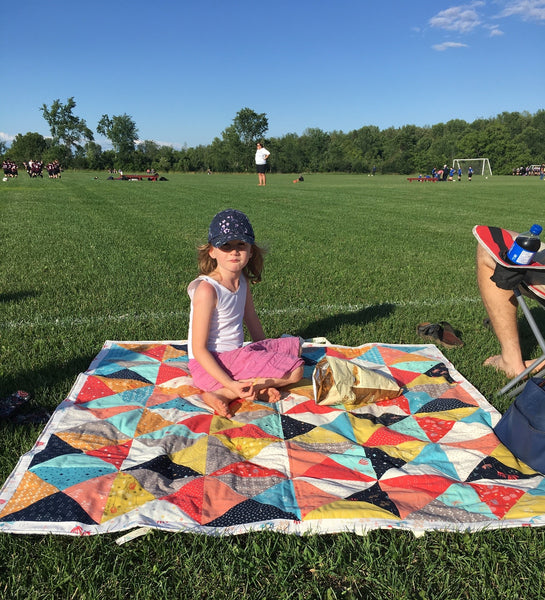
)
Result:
{"points": [[481, 166]]}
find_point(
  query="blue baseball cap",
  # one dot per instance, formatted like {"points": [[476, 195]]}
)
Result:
{"points": [[229, 225]]}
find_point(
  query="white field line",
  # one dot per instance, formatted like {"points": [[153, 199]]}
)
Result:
{"points": [[63, 322]]}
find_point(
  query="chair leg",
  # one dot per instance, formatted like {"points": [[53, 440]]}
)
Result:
{"points": [[539, 338]]}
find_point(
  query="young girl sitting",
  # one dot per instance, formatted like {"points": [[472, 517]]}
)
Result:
{"points": [[221, 303]]}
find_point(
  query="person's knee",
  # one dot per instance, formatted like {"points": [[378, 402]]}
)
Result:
{"points": [[483, 258], [296, 375]]}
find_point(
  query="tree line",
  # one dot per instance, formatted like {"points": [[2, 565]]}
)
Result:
{"points": [[509, 140]]}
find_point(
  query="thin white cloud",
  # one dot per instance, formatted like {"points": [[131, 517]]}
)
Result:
{"points": [[6, 137], [462, 19], [495, 32], [528, 10], [448, 45]]}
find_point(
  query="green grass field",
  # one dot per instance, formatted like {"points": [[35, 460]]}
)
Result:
{"points": [[353, 258]]}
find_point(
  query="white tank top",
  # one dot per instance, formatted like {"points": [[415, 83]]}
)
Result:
{"points": [[226, 330]]}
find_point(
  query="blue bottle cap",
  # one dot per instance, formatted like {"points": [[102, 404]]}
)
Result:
{"points": [[536, 229]]}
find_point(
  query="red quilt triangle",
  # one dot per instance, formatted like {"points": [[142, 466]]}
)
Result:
{"points": [[155, 351], [92, 389], [167, 372], [410, 493], [498, 498], [247, 469], [311, 407], [189, 499], [403, 377], [387, 437], [198, 423], [114, 455], [401, 402], [247, 431], [435, 429], [329, 469]]}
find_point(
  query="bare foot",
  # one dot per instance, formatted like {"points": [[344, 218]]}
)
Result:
{"points": [[500, 365], [218, 403], [268, 394]]}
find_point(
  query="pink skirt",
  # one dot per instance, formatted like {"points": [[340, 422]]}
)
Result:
{"points": [[268, 358]]}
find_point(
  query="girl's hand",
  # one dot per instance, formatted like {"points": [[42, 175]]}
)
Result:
{"points": [[243, 389]]}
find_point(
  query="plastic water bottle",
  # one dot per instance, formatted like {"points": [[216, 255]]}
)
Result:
{"points": [[525, 246]]}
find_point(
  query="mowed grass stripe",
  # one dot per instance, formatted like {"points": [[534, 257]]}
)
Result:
{"points": [[294, 310]]}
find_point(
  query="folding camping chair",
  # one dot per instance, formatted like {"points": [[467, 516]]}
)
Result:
{"points": [[496, 242]]}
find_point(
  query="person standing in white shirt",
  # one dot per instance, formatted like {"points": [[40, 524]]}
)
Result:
{"points": [[261, 156]]}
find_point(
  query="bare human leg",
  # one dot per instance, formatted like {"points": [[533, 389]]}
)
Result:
{"points": [[501, 306]]}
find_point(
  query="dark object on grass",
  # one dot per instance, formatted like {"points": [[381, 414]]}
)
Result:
{"points": [[37, 417], [12, 403], [442, 333], [163, 179]]}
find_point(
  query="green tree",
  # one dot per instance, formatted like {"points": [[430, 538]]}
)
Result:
{"points": [[247, 128], [250, 126], [286, 152], [219, 156], [30, 146], [314, 144], [239, 155], [165, 159], [336, 156], [149, 150], [534, 141], [64, 156], [65, 127], [93, 154], [122, 132]]}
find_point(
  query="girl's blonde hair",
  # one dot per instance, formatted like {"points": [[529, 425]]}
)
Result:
{"points": [[252, 270]]}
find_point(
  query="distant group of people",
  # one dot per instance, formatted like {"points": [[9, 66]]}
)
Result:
{"points": [[449, 174], [53, 169], [34, 168], [530, 170], [10, 168]]}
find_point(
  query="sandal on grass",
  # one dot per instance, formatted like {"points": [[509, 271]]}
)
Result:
{"points": [[442, 333], [10, 404]]}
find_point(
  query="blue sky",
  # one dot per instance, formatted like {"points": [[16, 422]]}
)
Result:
{"points": [[183, 69]]}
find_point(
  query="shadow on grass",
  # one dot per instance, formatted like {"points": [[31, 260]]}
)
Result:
{"points": [[360, 317], [14, 296], [48, 381]]}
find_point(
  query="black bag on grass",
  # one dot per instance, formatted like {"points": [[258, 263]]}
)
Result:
{"points": [[522, 427]]}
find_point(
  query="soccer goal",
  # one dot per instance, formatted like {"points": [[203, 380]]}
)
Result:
{"points": [[481, 166]]}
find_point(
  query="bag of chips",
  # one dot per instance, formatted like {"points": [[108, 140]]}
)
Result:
{"points": [[341, 381]]}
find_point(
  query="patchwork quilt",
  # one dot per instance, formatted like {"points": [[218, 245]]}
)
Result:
{"points": [[134, 446]]}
